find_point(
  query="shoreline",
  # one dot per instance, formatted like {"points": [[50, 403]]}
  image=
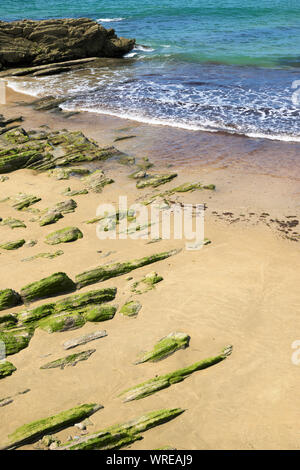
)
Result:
{"points": [[240, 290]]}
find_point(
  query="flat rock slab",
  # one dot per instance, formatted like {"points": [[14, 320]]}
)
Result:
{"points": [[71, 360], [72, 343]]}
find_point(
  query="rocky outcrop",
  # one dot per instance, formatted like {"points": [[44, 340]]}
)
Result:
{"points": [[30, 43]]}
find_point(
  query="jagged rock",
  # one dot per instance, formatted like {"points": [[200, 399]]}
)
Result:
{"points": [[13, 223], [96, 181], [121, 435], [35, 71], [74, 192], [5, 401], [65, 207], [7, 321], [9, 298], [32, 43], [160, 382], [73, 343], [117, 269], [44, 255], [125, 137], [155, 180], [62, 322], [17, 135], [64, 235], [57, 283], [3, 179], [68, 361], [32, 432], [131, 308], [22, 201], [165, 347], [14, 245], [30, 243], [6, 369]]}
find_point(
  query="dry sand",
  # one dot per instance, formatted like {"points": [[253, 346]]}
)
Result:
{"points": [[242, 289]]}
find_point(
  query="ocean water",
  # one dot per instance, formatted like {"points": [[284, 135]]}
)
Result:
{"points": [[217, 65]]}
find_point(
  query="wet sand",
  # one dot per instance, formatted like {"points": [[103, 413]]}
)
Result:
{"points": [[241, 289]]}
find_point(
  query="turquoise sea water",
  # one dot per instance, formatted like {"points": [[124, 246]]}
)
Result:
{"points": [[200, 64]]}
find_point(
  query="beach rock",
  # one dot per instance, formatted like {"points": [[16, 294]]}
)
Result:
{"points": [[147, 283], [44, 255], [28, 42], [7, 321], [57, 283], [109, 271], [96, 181], [155, 180], [165, 347], [121, 435], [14, 245], [68, 361], [33, 431], [100, 313], [13, 223], [65, 207], [73, 343], [64, 235], [9, 298], [131, 308], [51, 217], [62, 322], [16, 339], [6, 369], [74, 192], [164, 381], [65, 173]]}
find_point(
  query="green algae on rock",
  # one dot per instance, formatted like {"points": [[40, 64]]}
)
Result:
{"points": [[44, 255], [65, 173], [14, 245], [98, 313], [65, 207], [155, 180], [131, 308], [147, 283], [121, 435], [13, 223], [165, 347], [70, 360], [8, 321], [64, 235], [16, 339], [51, 217], [6, 369], [9, 298], [109, 271], [61, 322], [57, 283], [22, 201], [33, 431], [164, 381], [74, 192]]}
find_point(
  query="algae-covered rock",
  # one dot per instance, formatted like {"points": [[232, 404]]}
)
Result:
{"points": [[189, 187], [165, 347], [155, 180], [62, 322], [99, 313], [65, 173], [7, 321], [87, 298], [22, 201], [64, 235], [13, 223], [9, 298], [57, 283], [117, 269], [65, 207], [147, 283], [51, 217], [131, 308], [16, 339], [70, 360], [96, 181], [73, 343], [6, 369], [74, 192], [33, 431], [44, 255], [35, 314], [121, 435], [13, 245], [164, 381]]}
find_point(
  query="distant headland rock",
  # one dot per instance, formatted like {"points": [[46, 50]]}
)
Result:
{"points": [[30, 43]]}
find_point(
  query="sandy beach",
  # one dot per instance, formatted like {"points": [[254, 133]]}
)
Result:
{"points": [[241, 290]]}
